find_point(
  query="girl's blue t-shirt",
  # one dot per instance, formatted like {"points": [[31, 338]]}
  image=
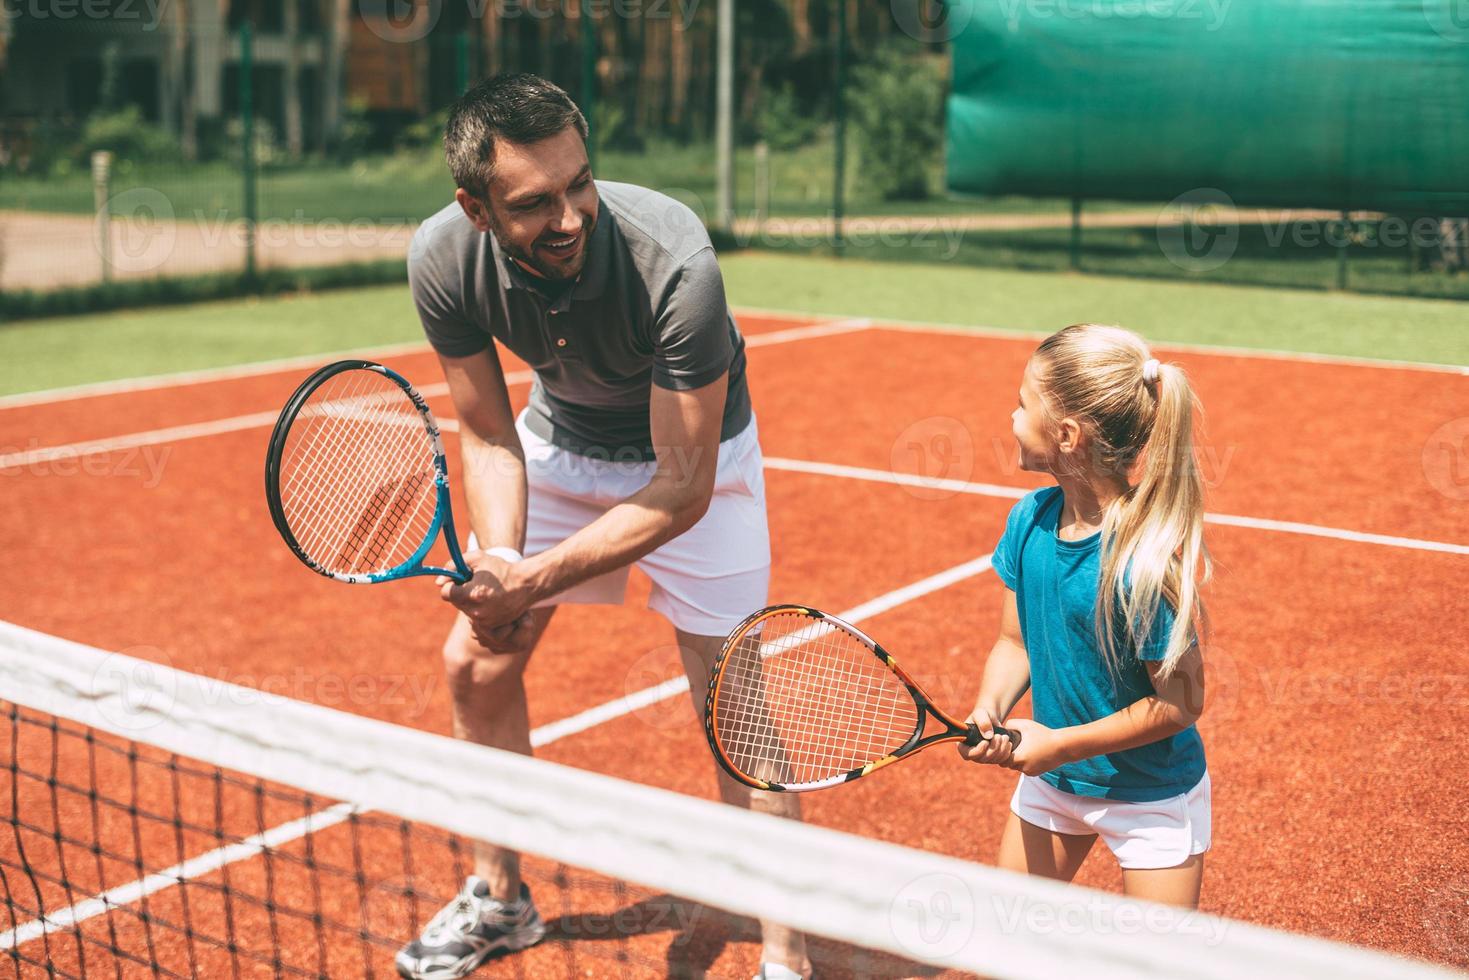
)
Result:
{"points": [[1055, 584]]}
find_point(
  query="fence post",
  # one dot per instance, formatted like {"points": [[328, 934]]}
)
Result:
{"points": [[1075, 234], [589, 78], [724, 118], [101, 178], [840, 178], [762, 183], [461, 63], [247, 132], [1341, 250]]}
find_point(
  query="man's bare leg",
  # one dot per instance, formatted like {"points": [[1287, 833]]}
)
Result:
{"points": [[782, 944], [488, 691]]}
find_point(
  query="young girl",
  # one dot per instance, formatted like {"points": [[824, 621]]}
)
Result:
{"points": [[1102, 621]]}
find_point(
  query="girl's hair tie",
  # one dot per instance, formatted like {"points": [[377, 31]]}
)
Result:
{"points": [[1150, 371]]}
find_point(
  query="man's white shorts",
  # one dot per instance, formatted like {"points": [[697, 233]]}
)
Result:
{"points": [[1158, 834], [705, 580]]}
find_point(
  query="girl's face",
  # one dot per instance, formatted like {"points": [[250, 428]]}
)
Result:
{"points": [[1033, 427]]}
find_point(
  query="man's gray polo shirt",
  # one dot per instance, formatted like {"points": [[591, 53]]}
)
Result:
{"points": [[649, 308]]}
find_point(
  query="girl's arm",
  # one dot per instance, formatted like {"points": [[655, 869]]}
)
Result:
{"points": [[1006, 679], [1177, 704]]}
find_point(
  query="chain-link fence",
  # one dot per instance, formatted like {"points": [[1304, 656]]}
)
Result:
{"points": [[208, 146]]}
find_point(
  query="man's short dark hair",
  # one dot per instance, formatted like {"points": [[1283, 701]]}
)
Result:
{"points": [[521, 108]]}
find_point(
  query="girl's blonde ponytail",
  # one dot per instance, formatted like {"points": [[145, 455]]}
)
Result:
{"points": [[1153, 537]]}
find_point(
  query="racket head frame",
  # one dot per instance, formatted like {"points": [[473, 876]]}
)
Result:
{"points": [[443, 519], [953, 730]]}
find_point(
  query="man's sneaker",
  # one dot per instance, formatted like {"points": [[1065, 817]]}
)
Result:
{"points": [[776, 971], [468, 931]]}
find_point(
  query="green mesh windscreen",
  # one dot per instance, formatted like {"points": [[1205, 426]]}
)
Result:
{"points": [[1352, 104]]}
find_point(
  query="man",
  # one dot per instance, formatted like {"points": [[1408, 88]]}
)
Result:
{"points": [[638, 446]]}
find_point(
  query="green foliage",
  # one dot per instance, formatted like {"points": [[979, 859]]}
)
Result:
{"points": [[421, 134], [354, 132], [897, 112], [128, 135], [783, 122], [267, 145], [614, 131]]}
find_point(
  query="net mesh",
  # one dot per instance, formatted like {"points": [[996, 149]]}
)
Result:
{"points": [[802, 700], [129, 860], [358, 475], [160, 824]]}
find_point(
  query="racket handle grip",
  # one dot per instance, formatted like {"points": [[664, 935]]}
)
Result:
{"points": [[973, 736]]}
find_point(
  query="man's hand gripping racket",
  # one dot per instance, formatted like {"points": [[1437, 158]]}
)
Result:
{"points": [[799, 700]]}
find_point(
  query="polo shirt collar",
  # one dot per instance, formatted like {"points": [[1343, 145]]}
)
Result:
{"points": [[593, 279]]}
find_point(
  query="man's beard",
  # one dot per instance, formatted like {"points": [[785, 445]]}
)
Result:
{"points": [[527, 256]]}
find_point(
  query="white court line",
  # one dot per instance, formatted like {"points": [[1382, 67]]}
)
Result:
{"points": [[1219, 350], [828, 329], [194, 867], [544, 735], [182, 433], [1015, 493], [592, 717], [199, 430], [620, 707], [262, 419], [825, 328], [180, 379]]}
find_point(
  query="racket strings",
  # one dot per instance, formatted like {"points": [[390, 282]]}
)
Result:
{"points": [[370, 482], [335, 431], [358, 475], [801, 700]]}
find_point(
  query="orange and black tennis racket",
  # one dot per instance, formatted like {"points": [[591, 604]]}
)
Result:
{"points": [[800, 700]]}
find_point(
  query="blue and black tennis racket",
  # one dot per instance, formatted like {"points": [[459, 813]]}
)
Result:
{"points": [[356, 477]]}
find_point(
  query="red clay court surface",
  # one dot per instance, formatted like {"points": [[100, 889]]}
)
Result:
{"points": [[1338, 686]]}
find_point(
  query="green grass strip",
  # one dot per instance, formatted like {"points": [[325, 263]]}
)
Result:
{"points": [[60, 351]]}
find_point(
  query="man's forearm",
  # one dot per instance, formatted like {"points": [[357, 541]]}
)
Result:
{"points": [[495, 489], [627, 531]]}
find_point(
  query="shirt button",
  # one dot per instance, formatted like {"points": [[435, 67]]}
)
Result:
{"points": [[561, 342]]}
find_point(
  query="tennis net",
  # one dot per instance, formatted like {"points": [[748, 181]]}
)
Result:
{"points": [[162, 824]]}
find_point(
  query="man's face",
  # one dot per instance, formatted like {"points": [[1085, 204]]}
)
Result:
{"points": [[542, 204]]}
